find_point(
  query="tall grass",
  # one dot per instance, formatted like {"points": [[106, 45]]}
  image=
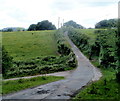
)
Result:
{"points": [[29, 44]]}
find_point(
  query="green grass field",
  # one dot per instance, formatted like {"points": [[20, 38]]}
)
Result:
{"points": [[88, 32], [17, 85], [24, 45]]}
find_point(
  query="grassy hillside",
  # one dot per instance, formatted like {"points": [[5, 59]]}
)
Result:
{"points": [[37, 52], [26, 45]]}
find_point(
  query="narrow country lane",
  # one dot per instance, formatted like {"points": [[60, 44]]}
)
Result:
{"points": [[63, 89]]}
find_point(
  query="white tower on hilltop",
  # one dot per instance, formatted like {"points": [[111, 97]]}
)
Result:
{"points": [[58, 22]]}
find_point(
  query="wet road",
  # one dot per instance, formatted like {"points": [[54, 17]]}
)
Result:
{"points": [[63, 89]]}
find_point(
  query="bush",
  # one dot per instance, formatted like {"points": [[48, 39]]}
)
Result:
{"points": [[118, 76], [102, 48], [6, 61]]}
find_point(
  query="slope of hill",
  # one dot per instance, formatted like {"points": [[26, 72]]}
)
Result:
{"points": [[37, 52], [26, 45]]}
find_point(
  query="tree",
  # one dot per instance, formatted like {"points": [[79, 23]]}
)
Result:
{"points": [[32, 27], [111, 23], [102, 24], [45, 25], [73, 24], [10, 30], [6, 61], [118, 52]]}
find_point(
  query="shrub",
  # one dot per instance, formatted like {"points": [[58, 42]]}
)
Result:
{"points": [[6, 61]]}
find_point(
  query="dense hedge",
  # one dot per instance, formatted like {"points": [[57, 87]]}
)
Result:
{"points": [[40, 65], [103, 49], [6, 61], [64, 48]]}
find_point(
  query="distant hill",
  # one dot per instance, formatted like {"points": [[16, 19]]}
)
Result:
{"points": [[10, 29]]}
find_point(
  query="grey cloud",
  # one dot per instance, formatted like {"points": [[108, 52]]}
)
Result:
{"points": [[98, 4], [17, 14], [63, 5]]}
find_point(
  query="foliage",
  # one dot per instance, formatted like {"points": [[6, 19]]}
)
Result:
{"points": [[10, 30], [118, 52], [17, 85], [102, 47], [32, 27], [107, 42], [111, 23], [105, 88], [6, 61], [43, 25], [62, 44], [81, 40], [41, 65], [64, 48], [73, 24]]}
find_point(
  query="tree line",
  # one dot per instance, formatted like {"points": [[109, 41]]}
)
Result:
{"points": [[111, 23], [46, 25], [43, 25]]}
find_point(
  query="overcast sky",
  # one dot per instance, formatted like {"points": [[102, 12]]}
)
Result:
{"points": [[22, 13]]}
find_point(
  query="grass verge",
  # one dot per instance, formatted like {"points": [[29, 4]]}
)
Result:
{"points": [[21, 84], [0, 84], [105, 88]]}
